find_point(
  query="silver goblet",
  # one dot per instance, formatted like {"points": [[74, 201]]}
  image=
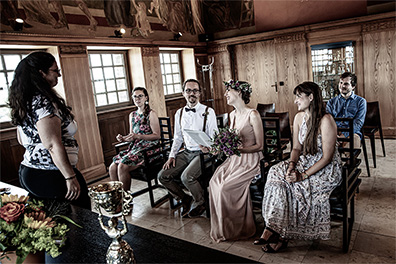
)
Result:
{"points": [[113, 199]]}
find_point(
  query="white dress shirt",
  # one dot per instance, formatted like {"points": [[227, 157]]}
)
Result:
{"points": [[194, 121]]}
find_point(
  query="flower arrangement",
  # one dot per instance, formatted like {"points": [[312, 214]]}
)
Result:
{"points": [[245, 87], [226, 142], [26, 228]]}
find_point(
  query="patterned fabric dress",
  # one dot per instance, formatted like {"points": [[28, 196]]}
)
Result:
{"points": [[133, 156], [301, 210]]}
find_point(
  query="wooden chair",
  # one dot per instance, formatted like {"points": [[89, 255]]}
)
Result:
{"points": [[273, 145], [284, 125], [372, 124], [342, 199], [222, 120], [153, 163], [263, 109]]}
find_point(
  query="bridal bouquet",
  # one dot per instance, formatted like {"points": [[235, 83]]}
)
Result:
{"points": [[26, 228], [226, 142]]}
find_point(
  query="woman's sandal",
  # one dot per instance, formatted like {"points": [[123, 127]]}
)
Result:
{"points": [[268, 249], [272, 238]]}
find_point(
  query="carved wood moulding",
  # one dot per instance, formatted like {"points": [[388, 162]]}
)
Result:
{"points": [[76, 49], [150, 51], [218, 49], [379, 25], [290, 38]]}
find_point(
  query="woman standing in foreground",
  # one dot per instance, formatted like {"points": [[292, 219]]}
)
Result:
{"points": [[296, 196], [46, 129]]}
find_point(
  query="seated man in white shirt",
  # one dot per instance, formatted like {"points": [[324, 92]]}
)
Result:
{"points": [[194, 116]]}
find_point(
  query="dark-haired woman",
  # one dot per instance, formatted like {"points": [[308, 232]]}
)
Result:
{"points": [[231, 212], [46, 128], [144, 133], [296, 195]]}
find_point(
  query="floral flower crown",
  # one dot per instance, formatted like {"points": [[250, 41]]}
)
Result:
{"points": [[244, 87]]}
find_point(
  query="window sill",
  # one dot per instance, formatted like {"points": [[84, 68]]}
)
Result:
{"points": [[173, 98], [107, 111]]}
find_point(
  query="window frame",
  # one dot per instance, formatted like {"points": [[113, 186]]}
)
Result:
{"points": [[127, 75], [178, 52], [8, 124]]}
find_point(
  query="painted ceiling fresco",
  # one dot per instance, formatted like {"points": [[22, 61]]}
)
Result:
{"points": [[141, 17]]}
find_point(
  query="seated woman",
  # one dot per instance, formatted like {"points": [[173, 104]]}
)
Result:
{"points": [[46, 129], [144, 133], [296, 196], [231, 213]]}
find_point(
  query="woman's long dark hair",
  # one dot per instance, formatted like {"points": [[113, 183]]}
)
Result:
{"points": [[317, 110], [147, 108], [28, 82]]}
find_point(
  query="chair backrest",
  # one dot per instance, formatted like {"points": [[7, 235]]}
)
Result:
{"points": [[373, 118], [222, 120], [263, 109], [165, 127], [284, 125], [272, 140], [349, 154]]}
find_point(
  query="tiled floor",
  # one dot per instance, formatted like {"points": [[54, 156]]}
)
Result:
{"points": [[373, 236]]}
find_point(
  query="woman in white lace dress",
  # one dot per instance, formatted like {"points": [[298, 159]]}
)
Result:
{"points": [[296, 196]]}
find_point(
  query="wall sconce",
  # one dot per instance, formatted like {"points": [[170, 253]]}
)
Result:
{"points": [[177, 36], [18, 24], [118, 33]]}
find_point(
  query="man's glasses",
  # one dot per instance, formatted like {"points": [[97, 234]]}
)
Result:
{"points": [[58, 71], [195, 91], [140, 96]]}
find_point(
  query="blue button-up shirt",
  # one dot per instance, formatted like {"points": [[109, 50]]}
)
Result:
{"points": [[354, 107]]}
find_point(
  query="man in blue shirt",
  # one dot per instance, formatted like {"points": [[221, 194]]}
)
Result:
{"points": [[348, 104]]}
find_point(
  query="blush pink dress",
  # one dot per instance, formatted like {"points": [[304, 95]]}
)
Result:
{"points": [[231, 214]]}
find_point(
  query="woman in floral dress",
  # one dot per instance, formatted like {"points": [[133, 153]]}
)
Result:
{"points": [[296, 196], [144, 133]]}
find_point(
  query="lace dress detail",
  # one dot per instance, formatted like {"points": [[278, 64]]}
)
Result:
{"points": [[301, 210]]}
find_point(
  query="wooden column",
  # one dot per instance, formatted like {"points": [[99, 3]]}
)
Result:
{"points": [[153, 77], [79, 95], [379, 51], [222, 71]]}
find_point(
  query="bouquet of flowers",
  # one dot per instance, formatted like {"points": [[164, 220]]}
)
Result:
{"points": [[26, 228], [226, 142]]}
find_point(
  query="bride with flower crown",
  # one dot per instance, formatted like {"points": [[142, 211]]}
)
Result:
{"points": [[231, 213]]}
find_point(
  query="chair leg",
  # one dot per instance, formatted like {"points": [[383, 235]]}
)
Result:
{"points": [[372, 141], [382, 141], [363, 142]]}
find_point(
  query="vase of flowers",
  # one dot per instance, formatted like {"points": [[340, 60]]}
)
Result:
{"points": [[226, 142], [27, 226]]}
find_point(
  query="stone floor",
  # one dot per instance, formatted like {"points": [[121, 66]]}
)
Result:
{"points": [[373, 236]]}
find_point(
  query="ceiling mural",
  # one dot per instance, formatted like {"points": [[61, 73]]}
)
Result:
{"points": [[140, 18]]}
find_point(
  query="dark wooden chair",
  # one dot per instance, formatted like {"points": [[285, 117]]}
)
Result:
{"points": [[342, 199], [284, 126], [153, 162], [222, 120], [263, 109], [372, 124], [274, 147]]}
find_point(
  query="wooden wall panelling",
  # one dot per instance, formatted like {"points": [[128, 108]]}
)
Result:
{"points": [[291, 68], [256, 64], [11, 156], [379, 48], [79, 95], [153, 78], [222, 71], [207, 94], [112, 123], [172, 105]]}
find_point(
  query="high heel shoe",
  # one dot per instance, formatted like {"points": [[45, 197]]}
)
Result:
{"points": [[272, 238], [282, 244]]}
